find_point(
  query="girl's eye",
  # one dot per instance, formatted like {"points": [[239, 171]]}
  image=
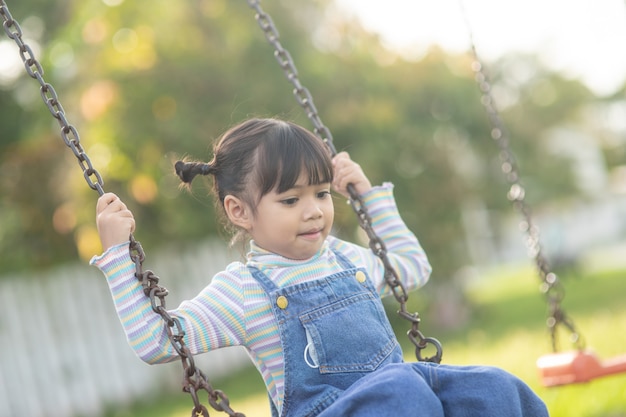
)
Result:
{"points": [[289, 201], [323, 194]]}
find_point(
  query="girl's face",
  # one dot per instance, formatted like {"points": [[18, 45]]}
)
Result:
{"points": [[295, 223]]}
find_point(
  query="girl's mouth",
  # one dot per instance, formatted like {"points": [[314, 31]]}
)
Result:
{"points": [[312, 234]]}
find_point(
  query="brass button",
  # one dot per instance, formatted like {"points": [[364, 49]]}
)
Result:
{"points": [[360, 276], [282, 302]]}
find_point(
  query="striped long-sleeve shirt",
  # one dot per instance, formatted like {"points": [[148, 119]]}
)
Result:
{"points": [[233, 310]]}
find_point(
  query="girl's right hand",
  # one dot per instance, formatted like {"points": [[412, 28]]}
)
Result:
{"points": [[114, 221], [349, 172]]}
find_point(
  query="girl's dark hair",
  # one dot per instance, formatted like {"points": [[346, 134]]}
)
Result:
{"points": [[260, 155]]}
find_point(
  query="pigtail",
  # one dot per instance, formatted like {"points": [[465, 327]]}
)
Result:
{"points": [[187, 171]]}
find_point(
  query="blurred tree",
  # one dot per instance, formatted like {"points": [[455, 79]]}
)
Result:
{"points": [[148, 83]]}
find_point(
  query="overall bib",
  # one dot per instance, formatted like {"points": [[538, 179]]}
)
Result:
{"points": [[335, 333]]}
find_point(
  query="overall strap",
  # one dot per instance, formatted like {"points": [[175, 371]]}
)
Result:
{"points": [[343, 260], [262, 279]]}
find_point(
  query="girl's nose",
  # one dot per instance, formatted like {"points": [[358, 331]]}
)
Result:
{"points": [[313, 211]]}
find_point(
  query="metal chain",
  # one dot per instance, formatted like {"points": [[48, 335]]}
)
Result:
{"points": [[551, 286], [49, 96], [304, 98], [193, 379]]}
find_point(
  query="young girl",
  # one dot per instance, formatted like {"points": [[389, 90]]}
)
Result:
{"points": [[305, 304]]}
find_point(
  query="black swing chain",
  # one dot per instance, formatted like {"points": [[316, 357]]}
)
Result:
{"points": [[305, 100], [551, 286], [194, 379], [49, 96]]}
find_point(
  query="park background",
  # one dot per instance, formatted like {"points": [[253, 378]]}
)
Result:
{"points": [[148, 82]]}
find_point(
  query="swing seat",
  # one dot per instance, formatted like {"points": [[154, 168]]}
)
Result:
{"points": [[576, 367]]}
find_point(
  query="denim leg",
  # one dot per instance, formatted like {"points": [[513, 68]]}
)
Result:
{"points": [[481, 391], [393, 390]]}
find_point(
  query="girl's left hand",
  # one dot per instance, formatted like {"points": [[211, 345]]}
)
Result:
{"points": [[115, 222], [349, 172]]}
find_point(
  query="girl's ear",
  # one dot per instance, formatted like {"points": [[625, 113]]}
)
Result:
{"points": [[238, 212]]}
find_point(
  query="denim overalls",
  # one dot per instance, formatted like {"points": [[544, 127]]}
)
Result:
{"points": [[334, 333]]}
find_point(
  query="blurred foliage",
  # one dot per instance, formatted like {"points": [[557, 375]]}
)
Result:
{"points": [[148, 82]]}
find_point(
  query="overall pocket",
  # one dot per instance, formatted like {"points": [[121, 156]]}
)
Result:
{"points": [[349, 335]]}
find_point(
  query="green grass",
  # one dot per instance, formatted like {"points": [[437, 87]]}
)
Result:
{"points": [[506, 328]]}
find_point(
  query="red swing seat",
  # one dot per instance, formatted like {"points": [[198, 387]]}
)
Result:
{"points": [[576, 366]]}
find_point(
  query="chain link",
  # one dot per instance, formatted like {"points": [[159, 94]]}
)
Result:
{"points": [[193, 379], [49, 96], [301, 93], [551, 286], [305, 100]]}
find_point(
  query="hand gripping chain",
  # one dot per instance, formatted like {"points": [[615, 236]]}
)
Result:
{"points": [[305, 100], [193, 379]]}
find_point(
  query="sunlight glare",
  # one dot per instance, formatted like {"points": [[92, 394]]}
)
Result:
{"points": [[112, 3], [10, 63], [62, 55], [580, 39]]}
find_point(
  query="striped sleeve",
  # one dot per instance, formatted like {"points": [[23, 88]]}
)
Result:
{"points": [[405, 253], [212, 319]]}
